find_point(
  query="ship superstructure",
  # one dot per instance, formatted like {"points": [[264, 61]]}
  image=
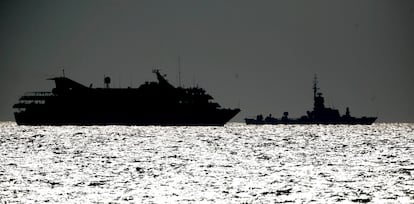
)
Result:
{"points": [[152, 103]]}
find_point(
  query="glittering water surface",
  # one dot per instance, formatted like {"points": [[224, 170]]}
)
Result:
{"points": [[231, 164]]}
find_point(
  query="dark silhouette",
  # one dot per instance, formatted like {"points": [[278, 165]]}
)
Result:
{"points": [[153, 103], [319, 115]]}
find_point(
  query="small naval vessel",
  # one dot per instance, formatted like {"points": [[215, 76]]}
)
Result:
{"points": [[319, 115], [152, 103]]}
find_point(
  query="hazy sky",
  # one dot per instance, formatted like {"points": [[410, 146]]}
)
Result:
{"points": [[260, 56]]}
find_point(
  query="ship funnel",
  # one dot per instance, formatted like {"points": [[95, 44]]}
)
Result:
{"points": [[107, 81]]}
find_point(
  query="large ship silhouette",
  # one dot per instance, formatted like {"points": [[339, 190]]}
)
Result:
{"points": [[319, 115], [152, 103]]}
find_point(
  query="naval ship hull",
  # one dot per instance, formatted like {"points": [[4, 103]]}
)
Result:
{"points": [[355, 121]]}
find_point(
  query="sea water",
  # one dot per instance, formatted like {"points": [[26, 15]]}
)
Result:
{"points": [[236, 163]]}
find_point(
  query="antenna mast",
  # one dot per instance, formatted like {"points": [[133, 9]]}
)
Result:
{"points": [[179, 71], [315, 86]]}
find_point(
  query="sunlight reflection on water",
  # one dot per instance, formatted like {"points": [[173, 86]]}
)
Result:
{"points": [[231, 164]]}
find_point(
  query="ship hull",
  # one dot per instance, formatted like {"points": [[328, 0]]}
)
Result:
{"points": [[53, 118], [354, 121]]}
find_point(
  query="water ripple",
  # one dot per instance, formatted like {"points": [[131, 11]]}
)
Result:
{"points": [[231, 164]]}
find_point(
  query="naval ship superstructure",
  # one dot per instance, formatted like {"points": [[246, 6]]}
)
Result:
{"points": [[319, 115], [152, 103]]}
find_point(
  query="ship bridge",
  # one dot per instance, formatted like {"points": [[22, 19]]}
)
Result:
{"points": [[64, 84]]}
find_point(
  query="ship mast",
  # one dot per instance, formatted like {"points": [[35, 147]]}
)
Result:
{"points": [[179, 71], [315, 86]]}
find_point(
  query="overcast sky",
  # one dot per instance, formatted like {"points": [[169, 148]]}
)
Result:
{"points": [[260, 56]]}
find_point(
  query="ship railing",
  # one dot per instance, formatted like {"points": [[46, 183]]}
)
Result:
{"points": [[36, 96], [26, 103], [39, 93]]}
